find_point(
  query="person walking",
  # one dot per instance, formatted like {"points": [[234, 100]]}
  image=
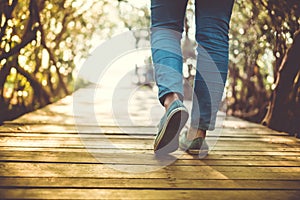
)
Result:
{"points": [[212, 26]]}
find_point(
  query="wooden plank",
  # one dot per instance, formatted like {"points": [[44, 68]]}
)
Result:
{"points": [[74, 152], [38, 128], [150, 183], [74, 170], [216, 148], [45, 128], [133, 135], [141, 143], [68, 120], [147, 194], [113, 129], [245, 169], [104, 171], [104, 147], [192, 162], [144, 158], [131, 142]]}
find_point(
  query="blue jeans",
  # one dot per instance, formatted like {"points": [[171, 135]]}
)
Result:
{"points": [[212, 26]]}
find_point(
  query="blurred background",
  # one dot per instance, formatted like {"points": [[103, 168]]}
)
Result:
{"points": [[43, 42]]}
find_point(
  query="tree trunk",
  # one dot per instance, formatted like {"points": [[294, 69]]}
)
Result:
{"points": [[41, 93], [284, 108]]}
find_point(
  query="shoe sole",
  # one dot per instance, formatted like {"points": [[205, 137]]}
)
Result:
{"points": [[202, 152], [168, 139]]}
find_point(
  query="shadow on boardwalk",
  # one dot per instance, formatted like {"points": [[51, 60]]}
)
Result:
{"points": [[96, 152]]}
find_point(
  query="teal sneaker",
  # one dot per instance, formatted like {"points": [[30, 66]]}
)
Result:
{"points": [[198, 146], [169, 128]]}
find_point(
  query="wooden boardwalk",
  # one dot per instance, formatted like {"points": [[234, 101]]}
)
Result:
{"points": [[56, 153]]}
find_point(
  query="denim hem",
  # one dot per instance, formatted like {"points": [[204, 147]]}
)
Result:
{"points": [[163, 94], [205, 127]]}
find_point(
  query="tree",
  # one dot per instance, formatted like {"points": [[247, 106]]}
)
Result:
{"points": [[40, 45], [284, 109], [261, 34], [284, 106]]}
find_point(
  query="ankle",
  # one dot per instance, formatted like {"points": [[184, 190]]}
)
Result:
{"points": [[196, 133], [169, 99]]}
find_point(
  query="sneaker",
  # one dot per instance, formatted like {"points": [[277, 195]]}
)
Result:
{"points": [[169, 129], [197, 146]]}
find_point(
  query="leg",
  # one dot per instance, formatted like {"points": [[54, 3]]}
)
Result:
{"points": [[167, 18], [212, 26]]}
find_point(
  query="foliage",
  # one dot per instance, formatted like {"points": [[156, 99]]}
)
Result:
{"points": [[41, 43], [261, 32]]}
